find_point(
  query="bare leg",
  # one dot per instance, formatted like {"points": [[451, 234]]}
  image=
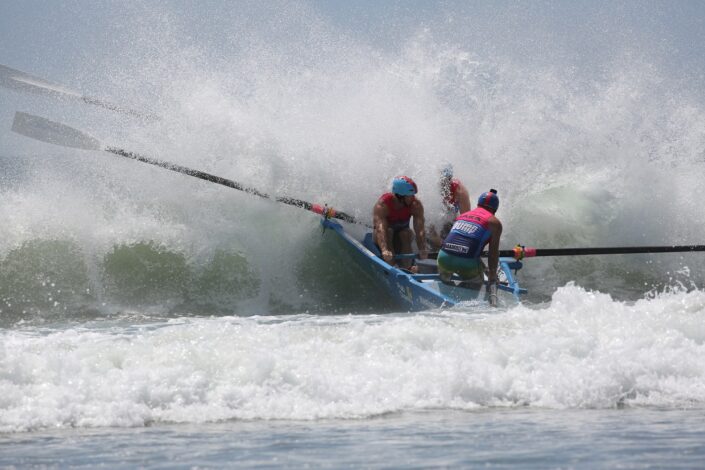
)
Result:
{"points": [[405, 237], [388, 241], [492, 295]]}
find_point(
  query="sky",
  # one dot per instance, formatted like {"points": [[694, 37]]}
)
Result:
{"points": [[51, 36]]}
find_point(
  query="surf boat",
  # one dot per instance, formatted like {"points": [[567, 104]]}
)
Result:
{"points": [[425, 290]]}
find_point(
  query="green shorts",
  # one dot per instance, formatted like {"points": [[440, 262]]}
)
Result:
{"points": [[466, 268]]}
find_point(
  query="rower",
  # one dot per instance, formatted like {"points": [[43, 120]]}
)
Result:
{"points": [[391, 216], [456, 201], [472, 230]]}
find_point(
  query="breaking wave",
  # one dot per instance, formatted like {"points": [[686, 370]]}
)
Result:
{"points": [[581, 350]]}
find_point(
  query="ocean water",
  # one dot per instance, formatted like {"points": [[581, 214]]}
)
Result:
{"points": [[583, 381], [149, 319], [439, 439]]}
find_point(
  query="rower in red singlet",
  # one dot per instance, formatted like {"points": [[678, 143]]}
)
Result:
{"points": [[392, 214], [456, 201]]}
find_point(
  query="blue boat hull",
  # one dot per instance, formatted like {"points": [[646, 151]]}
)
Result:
{"points": [[414, 292]]}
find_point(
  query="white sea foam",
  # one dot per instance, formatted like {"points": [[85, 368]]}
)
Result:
{"points": [[582, 350]]}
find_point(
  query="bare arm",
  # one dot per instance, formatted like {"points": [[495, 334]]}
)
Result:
{"points": [[379, 220], [419, 228], [495, 227], [463, 198]]}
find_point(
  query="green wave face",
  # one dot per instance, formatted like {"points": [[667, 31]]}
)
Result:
{"points": [[44, 280], [148, 274], [144, 273], [219, 285], [51, 280], [44, 276]]}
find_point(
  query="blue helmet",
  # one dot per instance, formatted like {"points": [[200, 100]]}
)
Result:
{"points": [[489, 200], [404, 186]]}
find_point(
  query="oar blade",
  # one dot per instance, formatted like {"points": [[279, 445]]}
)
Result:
{"points": [[21, 81], [16, 80], [52, 132]]}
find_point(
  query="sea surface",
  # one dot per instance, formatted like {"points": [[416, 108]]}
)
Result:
{"points": [[492, 438], [582, 381], [149, 319]]}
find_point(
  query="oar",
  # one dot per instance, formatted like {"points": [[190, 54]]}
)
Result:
{"points": [[52, 132], [520, 252], [16, 80]]}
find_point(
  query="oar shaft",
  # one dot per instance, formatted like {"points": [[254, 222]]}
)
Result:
{"points": [[186, 171], [529, 252], [119, 109], [232, 184], [318, 209]]}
